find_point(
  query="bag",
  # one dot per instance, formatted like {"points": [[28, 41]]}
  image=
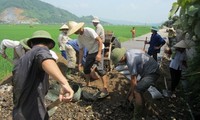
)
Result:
{"points": [[155, 94]]}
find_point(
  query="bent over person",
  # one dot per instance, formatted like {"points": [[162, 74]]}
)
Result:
{"points": [[139, 63], [19, 47], [30, 79], [88, 38]]}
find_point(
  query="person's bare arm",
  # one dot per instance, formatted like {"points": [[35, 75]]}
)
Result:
{"points": [[66, 92], [133, 81], [100, 43]]}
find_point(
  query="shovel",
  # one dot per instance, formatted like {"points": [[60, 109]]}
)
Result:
{"points": [[166, 92], [76, 97], [144, 45], [53, 107], [54, 104], [8, 59]]}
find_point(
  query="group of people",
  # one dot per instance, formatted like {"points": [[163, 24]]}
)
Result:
{"points": [[34, 55], [174, 55], [35, 61], [93, 41], [141, 64]]}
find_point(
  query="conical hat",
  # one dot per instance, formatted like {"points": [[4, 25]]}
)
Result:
{"points": [[64, 27], [181, 44], [172, 29], [74, 26]]}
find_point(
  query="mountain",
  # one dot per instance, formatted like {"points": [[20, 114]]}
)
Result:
{"points": [[35, 11]]}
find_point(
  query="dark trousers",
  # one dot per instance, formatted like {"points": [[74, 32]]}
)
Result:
{"points": [[154, 55], [175, 78]]}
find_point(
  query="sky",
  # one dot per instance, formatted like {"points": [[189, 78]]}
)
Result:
{"points": [[141, 11]]}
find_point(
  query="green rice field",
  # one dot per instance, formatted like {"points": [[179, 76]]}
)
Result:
{"points": [[18, 32]]}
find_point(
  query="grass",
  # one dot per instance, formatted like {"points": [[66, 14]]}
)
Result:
{"points": [[18, 32], [123, 32]]}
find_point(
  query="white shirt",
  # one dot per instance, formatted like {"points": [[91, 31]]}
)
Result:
{"points": [[18, 48], [54, 55], [176, 63], [100, 31], [88, 40], [62, 40]]}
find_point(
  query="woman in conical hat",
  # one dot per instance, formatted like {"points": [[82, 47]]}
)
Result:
{"points": [[177, 64]]}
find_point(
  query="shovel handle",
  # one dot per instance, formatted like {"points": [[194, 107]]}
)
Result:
{"points": [[52, 105], [166, 86], [8, 59], [145, 44]]}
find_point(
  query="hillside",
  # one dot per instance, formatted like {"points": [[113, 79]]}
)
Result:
{"points": [[35, 11]]}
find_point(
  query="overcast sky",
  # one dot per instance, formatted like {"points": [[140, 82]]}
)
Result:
{"points": [[143, 11]]}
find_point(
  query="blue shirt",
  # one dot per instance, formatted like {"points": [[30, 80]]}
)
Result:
{"points": [[74, 44], [155, 41]]}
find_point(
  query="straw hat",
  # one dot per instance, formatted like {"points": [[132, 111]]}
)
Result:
{"points": [[23, 42], [117, 54], [64, 27], [41, 34], [181, 44], [74, 26], [171, 29], [154, 28], [95, 20]]}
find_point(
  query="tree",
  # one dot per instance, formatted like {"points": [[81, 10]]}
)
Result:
{"points": [[189, 22]]}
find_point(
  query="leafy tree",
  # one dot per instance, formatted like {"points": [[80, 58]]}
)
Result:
{"points": [[189, 21]]}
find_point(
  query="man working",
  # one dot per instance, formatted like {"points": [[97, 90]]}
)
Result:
{"points": [[20, 47], [139, 63], [30, 79], [156, 42], [89, 39], [98, 28], [63, 39]]}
